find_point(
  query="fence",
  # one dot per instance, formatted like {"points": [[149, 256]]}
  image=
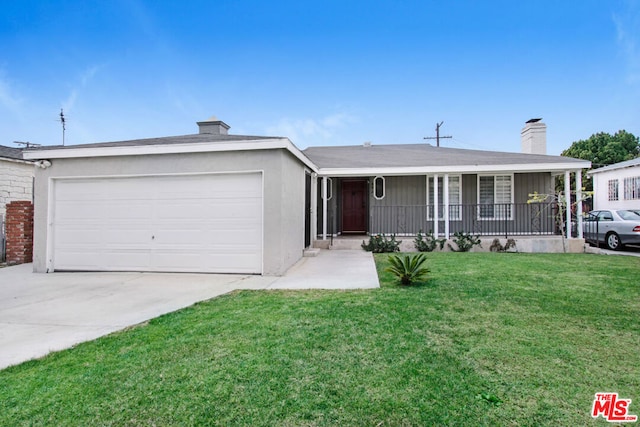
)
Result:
{"points": [[591, 230], [507, 219]]}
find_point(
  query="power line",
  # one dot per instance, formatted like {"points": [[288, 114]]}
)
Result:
{"points": [[437, 137]]}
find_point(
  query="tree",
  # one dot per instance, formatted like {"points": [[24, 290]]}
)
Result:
{"points": [[602, 149]]}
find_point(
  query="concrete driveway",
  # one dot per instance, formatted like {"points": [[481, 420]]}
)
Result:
{"points": [[40, 313]]}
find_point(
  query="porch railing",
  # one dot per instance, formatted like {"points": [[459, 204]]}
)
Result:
{"points": [[507, 219]]}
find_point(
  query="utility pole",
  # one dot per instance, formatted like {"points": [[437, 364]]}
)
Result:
{"points": [[437, 137]]}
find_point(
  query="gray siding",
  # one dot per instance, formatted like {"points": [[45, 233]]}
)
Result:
{"points": [[527, 183], [402, 191], [403, 210]]}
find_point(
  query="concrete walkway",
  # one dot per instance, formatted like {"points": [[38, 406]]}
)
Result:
{"points": [[40, 313]]}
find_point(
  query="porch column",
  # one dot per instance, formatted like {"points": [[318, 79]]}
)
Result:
{"points": [[435, 206], [314, 207], [567, 197], [324, 208], [579, 202], [445, 199]]}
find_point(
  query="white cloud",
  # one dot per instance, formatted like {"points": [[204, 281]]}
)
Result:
{"points": [[9, 100], [628, 38], [306, 131], [83, 81]]}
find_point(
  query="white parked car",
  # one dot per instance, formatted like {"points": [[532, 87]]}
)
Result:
{"points": [[614, 228]]}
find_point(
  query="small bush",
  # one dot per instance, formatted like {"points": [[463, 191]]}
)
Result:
{"points": [[428, 242], [496, 246], [408, 268], [464, 241], [380, 244]]}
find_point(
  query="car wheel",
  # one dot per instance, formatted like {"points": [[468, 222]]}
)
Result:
{"points": [[613, 241]]}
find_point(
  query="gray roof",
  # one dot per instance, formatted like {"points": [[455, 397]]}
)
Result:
{"points": [[10, 153], [621, 165], [420, 155], [182, 139]]}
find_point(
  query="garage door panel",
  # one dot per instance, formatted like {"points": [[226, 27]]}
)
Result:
{"points": [[81, 211], [212, 211], [199, 223], [128, 210], [127, 260]]}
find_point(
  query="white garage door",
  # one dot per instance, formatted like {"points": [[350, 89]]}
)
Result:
{"points": [[188, 223]]}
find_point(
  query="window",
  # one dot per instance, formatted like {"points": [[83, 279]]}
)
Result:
{"points": [[632, 188], [495, 196], [605, 216], [378, 187], [613, 189], [455, 198]]}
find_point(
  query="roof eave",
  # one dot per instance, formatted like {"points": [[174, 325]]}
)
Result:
{"points": [[9, 159], [141, 150], [610, 168], [462, 169]]}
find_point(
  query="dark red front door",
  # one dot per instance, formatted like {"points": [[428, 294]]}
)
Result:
{"points": [[354, 206]]}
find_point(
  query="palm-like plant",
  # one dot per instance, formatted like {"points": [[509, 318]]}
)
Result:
{"points": [[408, 268]]}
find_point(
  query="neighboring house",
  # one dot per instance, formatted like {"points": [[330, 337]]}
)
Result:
{"points": [[16, 177], [214, 202], [617, 186], [16, 183]]}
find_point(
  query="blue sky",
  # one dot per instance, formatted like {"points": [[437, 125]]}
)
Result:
{"points": [[320, 72]]}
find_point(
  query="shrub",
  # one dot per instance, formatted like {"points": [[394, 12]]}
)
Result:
{"points": [[427, 243], [408, 268], [496, 246], [464, 241], [380, 244]]}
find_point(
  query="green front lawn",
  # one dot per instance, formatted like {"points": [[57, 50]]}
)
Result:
{"points": [[489, 339]]}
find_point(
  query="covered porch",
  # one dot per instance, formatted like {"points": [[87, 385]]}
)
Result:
{"points": [[493, 203]]}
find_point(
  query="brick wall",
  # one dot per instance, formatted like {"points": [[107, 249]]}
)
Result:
{"points": [[16, 182], [19, 231]]}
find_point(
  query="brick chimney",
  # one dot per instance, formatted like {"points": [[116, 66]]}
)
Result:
{"points": [[533, 137], [213, 126]]}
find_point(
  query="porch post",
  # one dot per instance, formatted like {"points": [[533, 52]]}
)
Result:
{"points": [[445, 186], [324, 208], [567, 196], [314, 207], [435, 206], [579, 202]]}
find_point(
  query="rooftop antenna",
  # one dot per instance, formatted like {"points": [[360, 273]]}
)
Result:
{"points": [[26, 144], [63, 121], [437, 137]]}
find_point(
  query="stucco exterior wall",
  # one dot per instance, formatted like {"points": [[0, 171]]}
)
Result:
{"points": [[16, 182], [283, 239], [601, 189]]}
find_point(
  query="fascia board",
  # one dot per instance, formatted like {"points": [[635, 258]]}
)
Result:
{"points": [[300, 156], [23, 162], [142, 150], [421, 170], [609, 169]]}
